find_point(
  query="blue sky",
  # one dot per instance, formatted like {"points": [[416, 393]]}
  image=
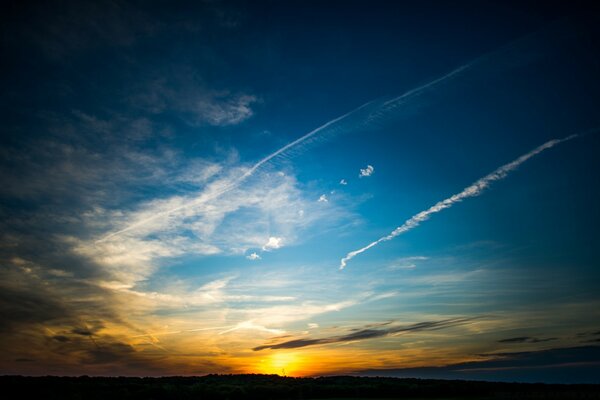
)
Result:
{"points": [[180, 184]]}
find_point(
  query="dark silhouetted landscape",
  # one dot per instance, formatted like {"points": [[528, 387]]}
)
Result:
{"points": [[256, 386]]}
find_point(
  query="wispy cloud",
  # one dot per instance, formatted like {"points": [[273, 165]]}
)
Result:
{"points": [[367, 171], [343, 182], [180, 90], [323, 199], [554, 365], [231, 184], [250, 325], [368, 333], [379, 109], [406, 263], [470, 191], [212, 293], [526, 339], [366, 114], [269, 213], [280, 315], [230, 111]]}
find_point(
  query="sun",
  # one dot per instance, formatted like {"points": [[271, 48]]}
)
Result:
{"points": [[281, 363]]}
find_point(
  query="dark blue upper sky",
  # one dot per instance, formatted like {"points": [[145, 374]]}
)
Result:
{"points": [[182, 181]]}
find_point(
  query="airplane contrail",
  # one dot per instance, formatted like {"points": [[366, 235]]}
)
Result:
{"points": [[473, 190], [238, 181], [431, 84], [383, 109]]}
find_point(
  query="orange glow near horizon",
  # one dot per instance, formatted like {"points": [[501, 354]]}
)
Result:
{"points": [[284, 363]]}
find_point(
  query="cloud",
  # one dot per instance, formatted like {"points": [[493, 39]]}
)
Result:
{"points": [[250, 325], [525, 339], [323, 199], [183, 91], [368, 171], [557, 365], [343, 182], [230, 184], [368, 333], [273, 243], [406, 263], [223, 111], [67, 320], [134, 258], [269, 212], [253, 256], [64, 165], [263, 319], [363, 115], [473, 190], [374, 110], [206, 295], [194, 102], [281, 314]]}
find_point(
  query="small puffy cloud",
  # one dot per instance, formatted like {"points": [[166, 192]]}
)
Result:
{"points": [[343, 182], [312, 325], [273, 243], [253, 257], [323, 199], [368, 171]]}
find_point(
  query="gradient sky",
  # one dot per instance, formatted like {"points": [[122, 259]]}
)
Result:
{"points": [[180, 184]]}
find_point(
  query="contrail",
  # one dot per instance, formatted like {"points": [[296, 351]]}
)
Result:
{"points": [[471, 191], [421, 89], [382, 110], [238, 181]]}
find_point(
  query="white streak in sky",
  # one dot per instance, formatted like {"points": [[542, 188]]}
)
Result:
{"points": [[384, 108], [471, 191], [236, 182], [183, 331], [430, 85]]}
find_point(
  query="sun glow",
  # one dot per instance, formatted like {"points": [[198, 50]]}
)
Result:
{"points": [[281, 364]]}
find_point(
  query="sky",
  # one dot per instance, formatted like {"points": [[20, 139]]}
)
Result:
{"points": [[300, 188]]}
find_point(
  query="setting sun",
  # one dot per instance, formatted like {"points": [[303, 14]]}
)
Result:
{"points": [[284, 364]]}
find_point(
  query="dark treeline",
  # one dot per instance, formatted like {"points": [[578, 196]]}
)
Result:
{"points": [[221, 387]]}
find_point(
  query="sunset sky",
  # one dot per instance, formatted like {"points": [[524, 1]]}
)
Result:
{"points": [[300, 188]]}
